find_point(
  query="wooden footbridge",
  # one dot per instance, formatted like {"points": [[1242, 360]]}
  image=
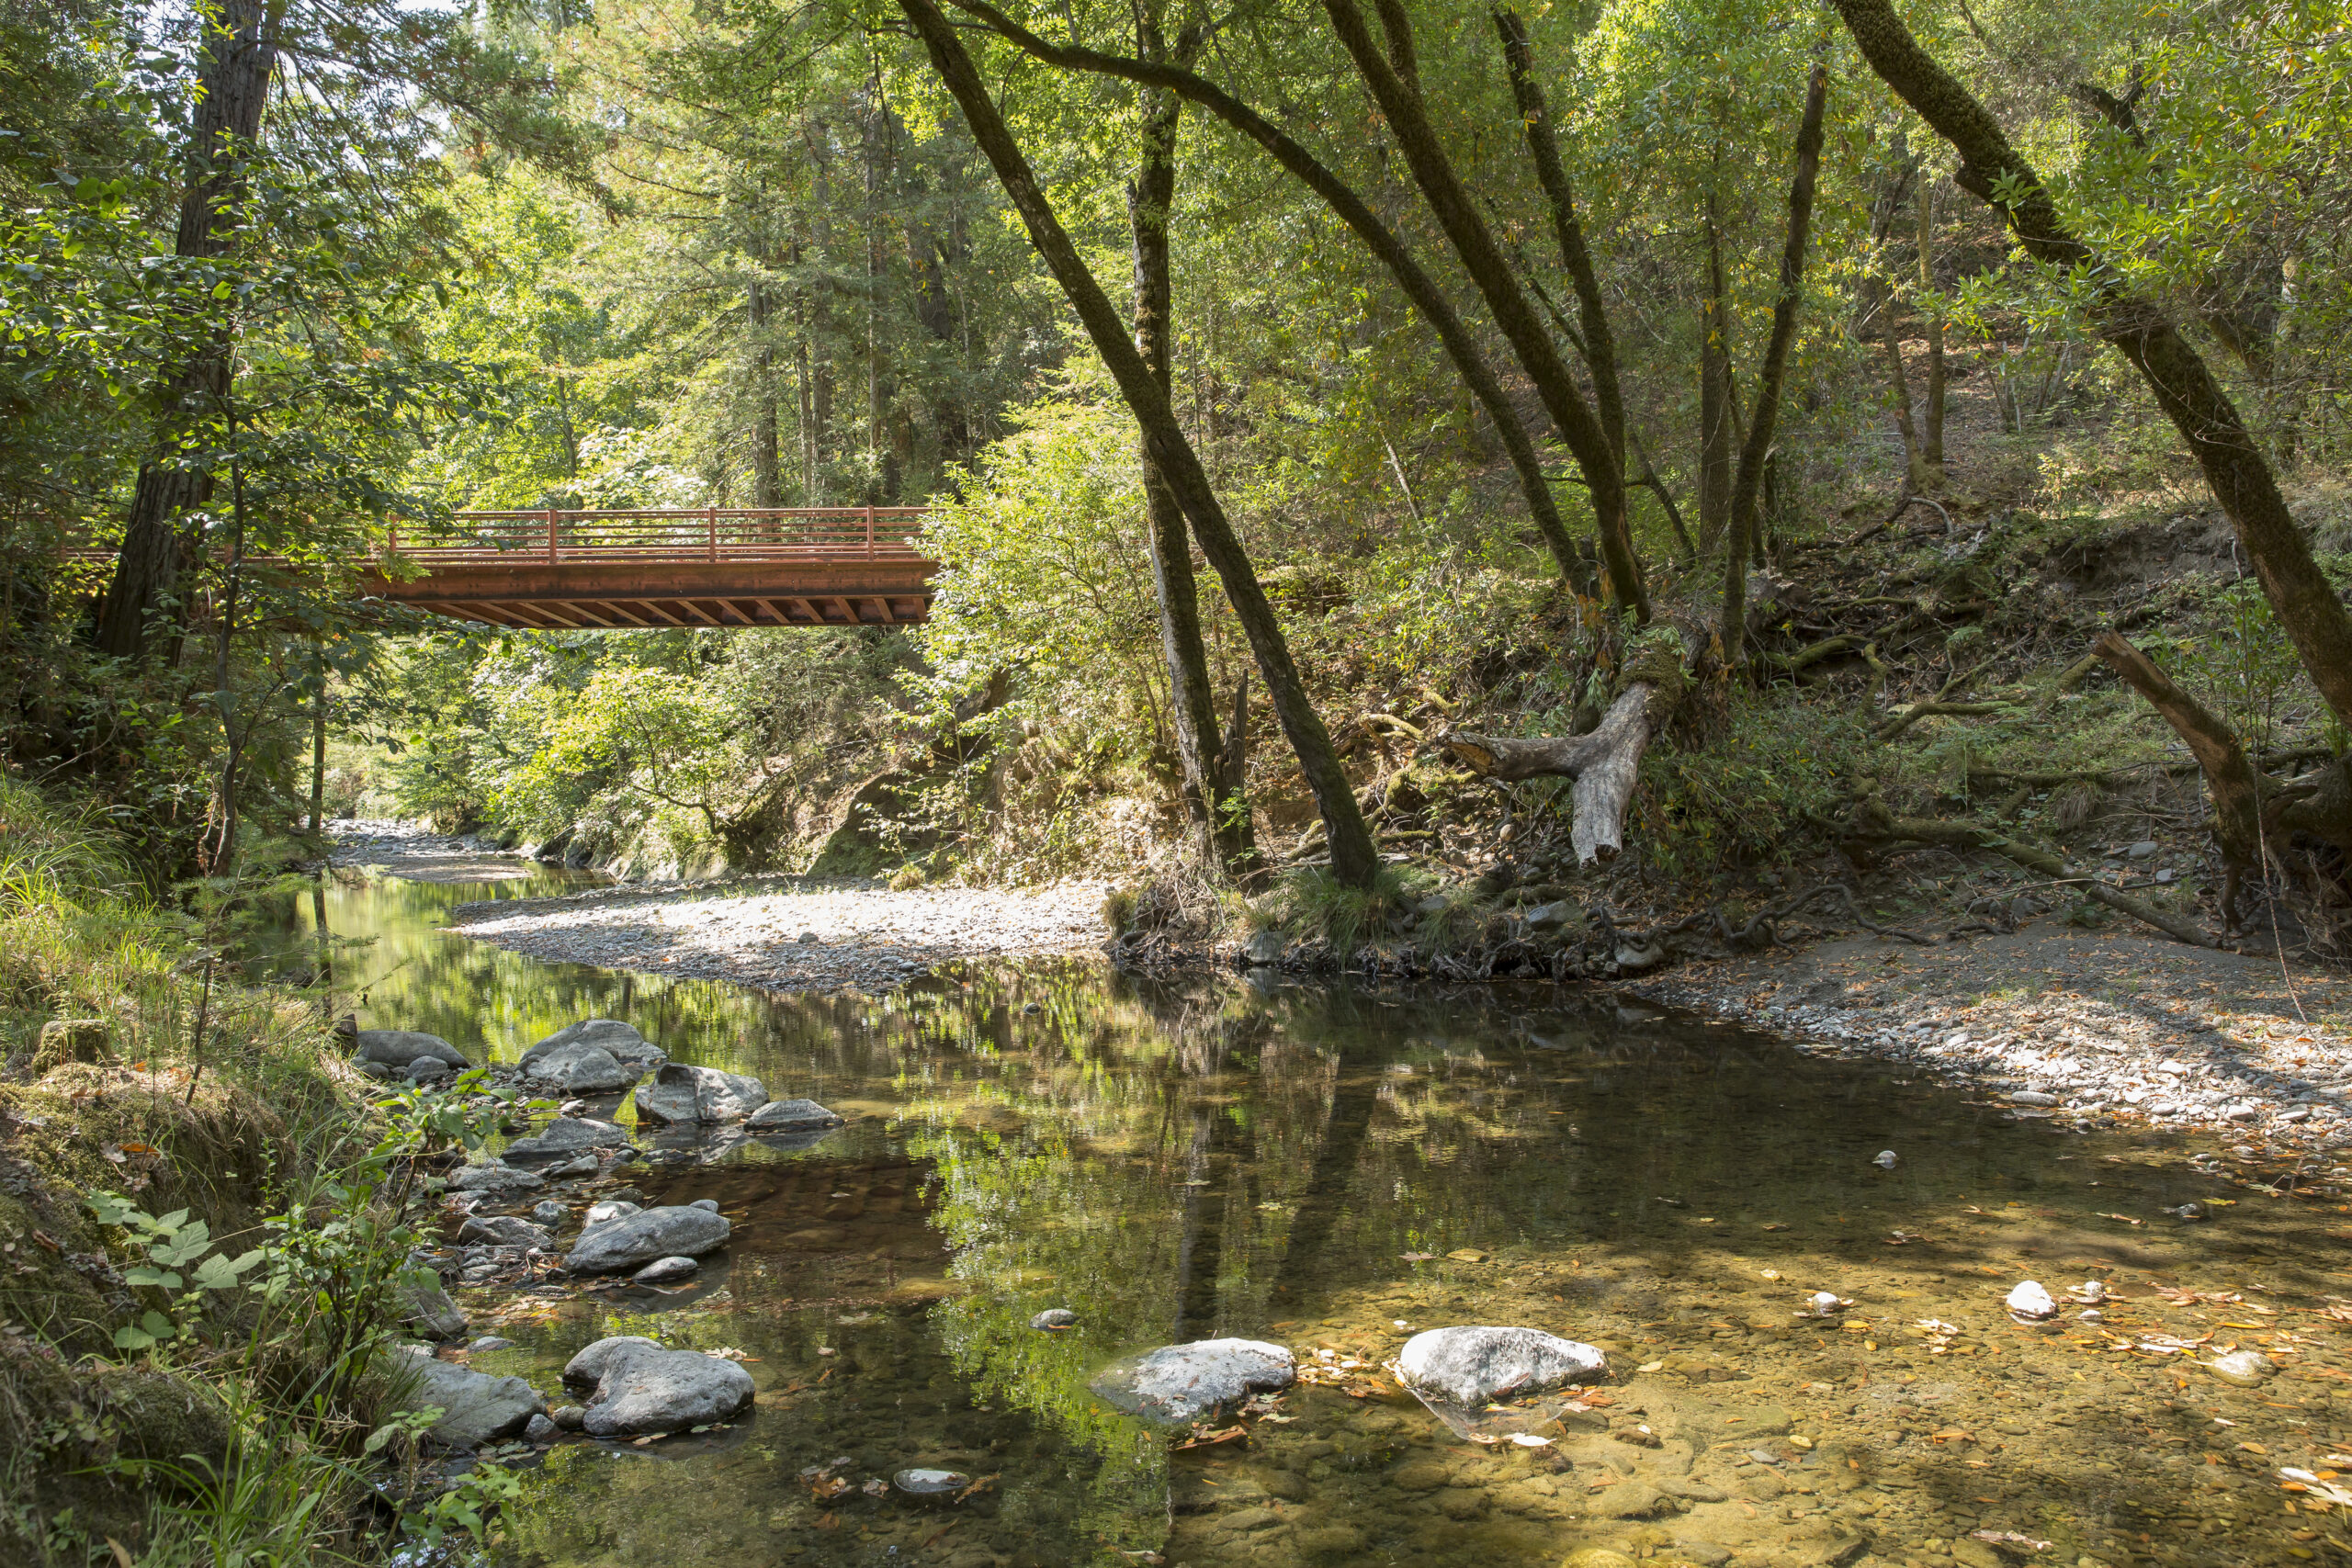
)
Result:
{"points": [[716, 566]]}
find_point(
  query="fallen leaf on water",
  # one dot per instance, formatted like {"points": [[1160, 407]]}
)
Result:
{"points": [[1467, 1255], [2010, 1537], [2125, 1218], [982, 1484], [1417, 1257], [1529, 1440], [1776, 1225]]}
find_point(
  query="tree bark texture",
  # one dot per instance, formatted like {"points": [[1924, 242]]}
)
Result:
{"points": [[1354, 861], [2235, 470], [240, 49], [1191, 700], [1394, 89], [1544, 149], [1418, 286], [1931, 417], [1718, 403], [2228, 773], [1748, 482], [767, 456]]}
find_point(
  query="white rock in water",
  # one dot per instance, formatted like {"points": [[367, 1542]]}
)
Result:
{"points": [[1472, 1366], [610, 1209], [1885, 1160], [1823, 1302], [2245, 1368], [930, 1483], [2029, 1302], [1184, 1383]]}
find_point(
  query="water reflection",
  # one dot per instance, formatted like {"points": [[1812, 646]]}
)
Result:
{"points": [[1334, 1170]]}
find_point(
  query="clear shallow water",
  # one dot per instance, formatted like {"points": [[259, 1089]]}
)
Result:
{"points": [[1178, 1161]]}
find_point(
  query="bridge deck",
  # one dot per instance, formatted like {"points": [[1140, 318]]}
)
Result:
{"points": [[552, 570]]}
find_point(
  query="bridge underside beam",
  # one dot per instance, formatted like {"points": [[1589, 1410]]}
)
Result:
{"points": [[595, 596]]}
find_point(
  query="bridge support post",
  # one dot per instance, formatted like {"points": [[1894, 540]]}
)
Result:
{"points": [[551, 532]]}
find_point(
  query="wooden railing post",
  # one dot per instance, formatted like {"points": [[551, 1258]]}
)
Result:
{"points": [[392, 539], [710, 525], [869, 533], [551, 532]]}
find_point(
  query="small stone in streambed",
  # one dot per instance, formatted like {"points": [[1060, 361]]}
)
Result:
{"points": [[1884, 1159], [707, 1205], [2246, 1369], [492, 1179], [573, 1108], [610, 1209], [662, 1270], [586, 1164], [792, 1116], [426, 1068], [1184, 1383], [1054, 1319], [569, 1417], [490, 1342], [2032, 1097], [540, 1430], [930, 1483], [548, 1213]]}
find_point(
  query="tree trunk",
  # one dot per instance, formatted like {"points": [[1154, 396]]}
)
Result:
{"points": [[240, 48], [767, 456], [2229, 773], [2236, 471], [1419, 287], [1718, 405], [1593, 314], [1747, 483], [1191, 701], [1931, 444], [1394, 89], [1354, 863], [1879, 295]]}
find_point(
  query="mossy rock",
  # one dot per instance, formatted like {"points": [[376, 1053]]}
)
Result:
{"points": [[64, 1040]]}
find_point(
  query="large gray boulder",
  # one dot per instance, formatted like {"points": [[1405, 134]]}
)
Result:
{"points": [[635, 1240], [792, 1116], [1475, 1366], [492, 1179], [704, 1095], [476, 1408], [567, 1135], [641, 1387], [578, 1068], [399, 1047], [426, 1307], [610, 1035], [1184, 1383]]}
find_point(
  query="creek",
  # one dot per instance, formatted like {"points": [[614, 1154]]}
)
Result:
{"points": [[1335, 1168]]}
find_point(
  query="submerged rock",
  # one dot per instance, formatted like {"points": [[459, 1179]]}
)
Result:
{"points": [[792, 1116], [1055, 1319], [550, 1213], [1184, 1383], [492, 1179], [476, 1408], [399, 1047], [1474, 1366], [568, 1136], [635, 1240], [1883, 1159], [1265, 947], [2246, 1369], [641, 1387], [502, 1230], [698, 1095], [662, 1270], [930, 1483]]}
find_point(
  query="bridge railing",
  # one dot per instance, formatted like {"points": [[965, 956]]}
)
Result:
{"points": [[667, 534]]}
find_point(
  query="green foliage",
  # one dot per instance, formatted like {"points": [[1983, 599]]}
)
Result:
{"points": [[1739, 796]]}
